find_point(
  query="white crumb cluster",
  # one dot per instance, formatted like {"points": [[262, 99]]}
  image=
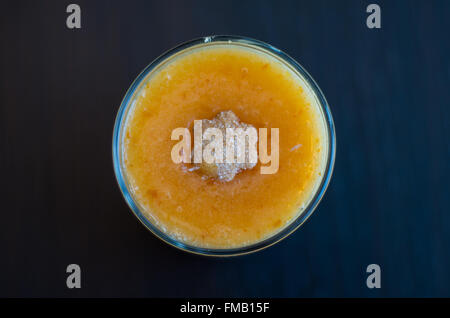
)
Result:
{"points": [[227, 171]]}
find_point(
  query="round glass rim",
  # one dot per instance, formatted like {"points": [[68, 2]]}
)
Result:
{"points": [[270, 240]]}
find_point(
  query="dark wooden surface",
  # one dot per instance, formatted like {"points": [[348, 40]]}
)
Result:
{"points": [[388, 202]]}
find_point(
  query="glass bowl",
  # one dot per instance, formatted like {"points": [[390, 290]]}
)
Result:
{"points": [[133, 92]]}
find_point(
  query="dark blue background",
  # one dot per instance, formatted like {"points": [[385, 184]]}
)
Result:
{"points": [[387, 202]]}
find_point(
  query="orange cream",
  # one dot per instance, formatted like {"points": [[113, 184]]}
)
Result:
{"points": [[262, 91]]}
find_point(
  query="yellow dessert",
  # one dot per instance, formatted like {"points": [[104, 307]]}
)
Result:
{"points": [[263, 92]]}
